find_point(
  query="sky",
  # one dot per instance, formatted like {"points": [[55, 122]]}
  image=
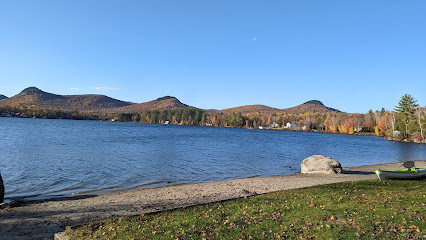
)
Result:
{"points": [[216, 54]]}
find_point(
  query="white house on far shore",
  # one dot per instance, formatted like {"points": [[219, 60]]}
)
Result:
{"points": [[291, 126]]}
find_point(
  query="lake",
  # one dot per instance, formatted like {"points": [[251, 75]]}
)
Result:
{"points": [[43, 158]]}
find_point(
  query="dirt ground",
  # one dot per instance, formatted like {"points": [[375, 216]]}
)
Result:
{"points": [[42, 219]]}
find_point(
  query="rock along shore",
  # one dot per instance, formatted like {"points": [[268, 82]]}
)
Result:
{"points": [[42, 219]]}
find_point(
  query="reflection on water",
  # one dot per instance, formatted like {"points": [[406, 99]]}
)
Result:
{"points": [[58, 157]]}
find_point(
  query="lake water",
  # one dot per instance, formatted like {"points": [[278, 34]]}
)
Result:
{"points": [[42, 158]]}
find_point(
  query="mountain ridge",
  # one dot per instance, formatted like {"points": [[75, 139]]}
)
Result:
{"points": [[314, 106], [309, 106], [84, 102], [102, 103], [163, 103]]}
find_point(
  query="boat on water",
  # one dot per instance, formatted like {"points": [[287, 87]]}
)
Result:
{"points": [[408, 173]]}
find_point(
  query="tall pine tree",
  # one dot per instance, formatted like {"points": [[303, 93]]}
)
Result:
{"points": [[405, 113]]}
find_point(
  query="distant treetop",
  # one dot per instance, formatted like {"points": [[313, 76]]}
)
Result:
{"points": [[165, 98], [31, 91], [2, 97], [314, 102]]}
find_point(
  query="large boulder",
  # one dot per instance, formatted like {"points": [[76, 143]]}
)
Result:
{"points": [[1, 190], [320, 164]]}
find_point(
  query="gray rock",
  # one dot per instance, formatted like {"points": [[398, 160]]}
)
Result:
{"points": [[397, 134], [320, 164], [1, 190]]}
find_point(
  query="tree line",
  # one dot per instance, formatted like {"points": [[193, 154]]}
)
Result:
{"points": [[33, 111], [406, 121]]}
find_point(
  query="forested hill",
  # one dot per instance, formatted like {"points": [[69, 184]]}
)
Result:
{"points": [[101, 103], [163, 103], [249, 109], [313, 106], [37, 97]]}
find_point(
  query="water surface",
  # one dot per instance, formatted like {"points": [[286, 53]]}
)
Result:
{"points": [[47, 158]]}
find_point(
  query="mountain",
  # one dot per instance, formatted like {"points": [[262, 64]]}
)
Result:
{"points": [[163, 103], [250, 109], [88, 102], [2, 97], [309, 106]]}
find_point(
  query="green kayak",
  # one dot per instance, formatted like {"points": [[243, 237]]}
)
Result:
{"points": [[408, 173]]}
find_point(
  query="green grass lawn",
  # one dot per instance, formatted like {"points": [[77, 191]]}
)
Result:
{"points": [[353, 210]]}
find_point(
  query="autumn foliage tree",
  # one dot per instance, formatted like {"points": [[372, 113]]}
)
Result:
{"points": [[381, 125]]}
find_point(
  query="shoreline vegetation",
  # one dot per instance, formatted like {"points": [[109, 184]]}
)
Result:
{"points": [[406, 123]]}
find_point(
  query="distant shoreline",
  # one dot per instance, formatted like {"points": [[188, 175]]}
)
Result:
{"points": [[310, 116], [276, 129]]}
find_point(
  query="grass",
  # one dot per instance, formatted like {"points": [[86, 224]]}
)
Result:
{"points": [[353, 210]]}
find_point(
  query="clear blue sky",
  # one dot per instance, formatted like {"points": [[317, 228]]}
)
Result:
{"points": [[351, 55]]}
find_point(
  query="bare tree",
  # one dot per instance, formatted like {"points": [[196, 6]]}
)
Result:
{"points": [[392, 114], [377, 116], [420, 112]]}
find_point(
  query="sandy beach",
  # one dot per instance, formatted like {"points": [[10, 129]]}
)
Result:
{"points": [[42, 219]]}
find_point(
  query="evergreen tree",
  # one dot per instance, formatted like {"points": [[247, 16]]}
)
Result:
{"points": [[405, 113]]}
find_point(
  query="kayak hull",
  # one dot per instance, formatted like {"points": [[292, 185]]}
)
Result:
{"points": [[415, 173]]}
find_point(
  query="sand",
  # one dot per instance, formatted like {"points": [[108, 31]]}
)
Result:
{"points": [[42, 219]]}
